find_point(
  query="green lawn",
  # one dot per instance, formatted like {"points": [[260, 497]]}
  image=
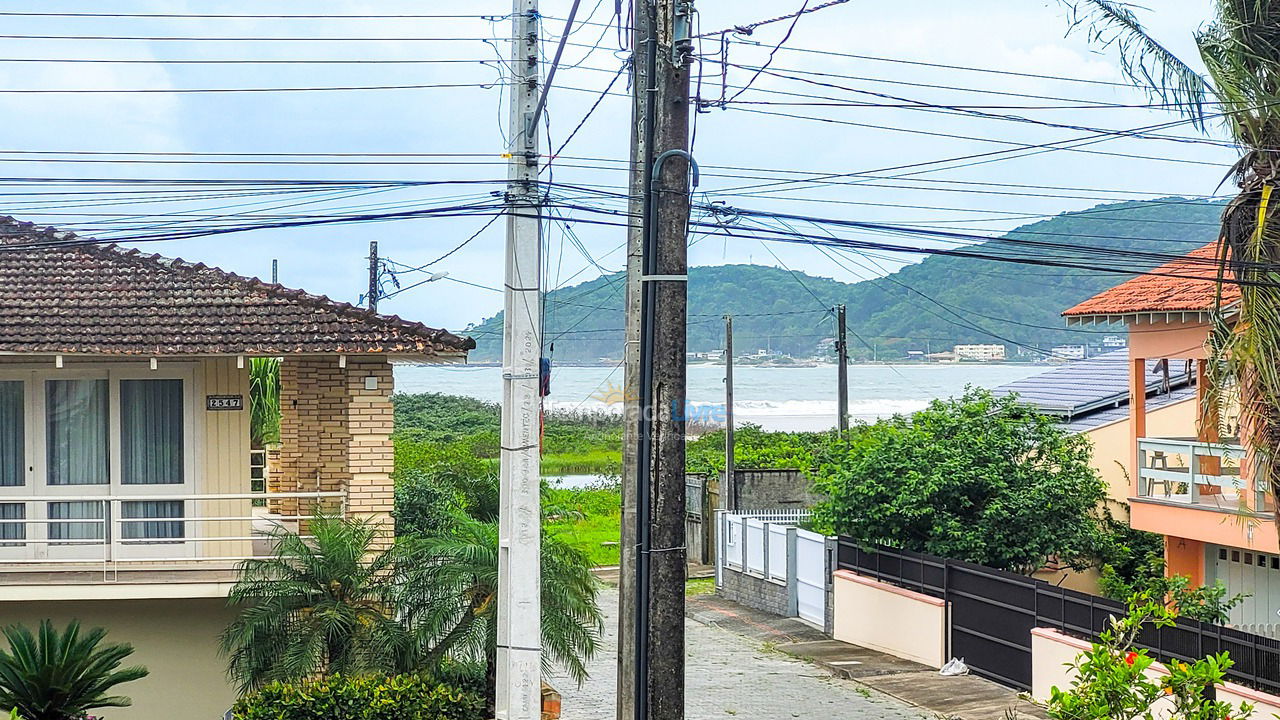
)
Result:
{"points": [[591, 535], [587, 518]]}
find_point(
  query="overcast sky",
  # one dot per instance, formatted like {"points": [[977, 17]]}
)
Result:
{"points": [[1024, 36]]}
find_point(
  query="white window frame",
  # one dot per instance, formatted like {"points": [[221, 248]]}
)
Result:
{"points": [[36, 478]]}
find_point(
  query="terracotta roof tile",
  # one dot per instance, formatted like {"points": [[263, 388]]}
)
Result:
{"points": [[1158, 292], [63, 294]]}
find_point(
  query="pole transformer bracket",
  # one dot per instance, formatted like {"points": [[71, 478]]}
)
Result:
{"points": [[682, 33]]}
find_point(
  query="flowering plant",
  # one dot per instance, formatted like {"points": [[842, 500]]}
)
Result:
{"points": [[1112, 679]]}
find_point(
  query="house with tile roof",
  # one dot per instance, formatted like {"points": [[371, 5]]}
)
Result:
{"points": [[1192, 483], [125, 481], [1091, 397]]}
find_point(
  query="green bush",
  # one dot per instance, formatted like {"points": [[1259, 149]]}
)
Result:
{"points": [[974, 478], [368, 697], [758, 449]]}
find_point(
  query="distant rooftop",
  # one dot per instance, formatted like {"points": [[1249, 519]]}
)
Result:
{"points": [[1095, 392], [1172, 288]]}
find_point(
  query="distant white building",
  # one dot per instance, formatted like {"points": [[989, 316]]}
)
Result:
{"points": [[1115, 342], [1068, 352], [981, 353]]}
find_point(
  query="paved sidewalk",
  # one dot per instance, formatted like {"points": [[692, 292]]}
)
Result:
{"points": [[965, 698], [736, 675]]}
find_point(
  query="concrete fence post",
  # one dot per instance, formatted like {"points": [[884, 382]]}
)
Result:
{"points": [[832, 547], [742, 543], [793, 575], [766, 549], [721, 548]]}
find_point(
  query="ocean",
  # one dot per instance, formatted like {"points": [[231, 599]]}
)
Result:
{"points": [[775, 398]]}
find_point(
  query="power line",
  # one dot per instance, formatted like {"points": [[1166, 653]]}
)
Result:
{"points": [[340, 88]]}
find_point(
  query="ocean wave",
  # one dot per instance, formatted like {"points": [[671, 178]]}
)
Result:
{"points": [[746, 409]]}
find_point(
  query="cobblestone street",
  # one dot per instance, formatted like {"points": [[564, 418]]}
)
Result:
{"points": [[732, 676]]}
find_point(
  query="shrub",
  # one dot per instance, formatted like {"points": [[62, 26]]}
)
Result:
{"points": [[367, 697], [1111, 678], [1206, 603]]}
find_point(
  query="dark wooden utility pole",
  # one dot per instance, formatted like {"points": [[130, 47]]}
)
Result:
{"points": [[373, 277], [642, 102], [842, 372], [661, 555], [729, 488]]}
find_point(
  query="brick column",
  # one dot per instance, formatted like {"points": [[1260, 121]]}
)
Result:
{"points": [[370, 456], [335, 435]]}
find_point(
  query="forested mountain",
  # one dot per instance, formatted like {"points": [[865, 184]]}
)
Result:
{"points": [[930, 305]]}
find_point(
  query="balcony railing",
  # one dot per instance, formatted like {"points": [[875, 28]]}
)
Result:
{"points": [[1195, 472], [119, 532]]}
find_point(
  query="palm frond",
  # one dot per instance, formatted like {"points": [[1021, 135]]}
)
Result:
{"points": [[52, 675], [1146, 62]]}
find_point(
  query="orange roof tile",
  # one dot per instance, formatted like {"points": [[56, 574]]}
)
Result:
{"points": [[1158, 292]]}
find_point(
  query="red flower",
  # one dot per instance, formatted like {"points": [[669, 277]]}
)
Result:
{"points": [[1130, 658]]}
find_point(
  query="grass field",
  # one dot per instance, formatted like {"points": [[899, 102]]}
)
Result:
{"points": [[589, 519]]}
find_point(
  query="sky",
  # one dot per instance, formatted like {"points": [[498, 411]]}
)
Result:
{"points": [[444, 133]]}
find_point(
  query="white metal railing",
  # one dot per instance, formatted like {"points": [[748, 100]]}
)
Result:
{"points": [[756, 543], [1196, 472], [1271, 630], [768, 545], [107, 538]]}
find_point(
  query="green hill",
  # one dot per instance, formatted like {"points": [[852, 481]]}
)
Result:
{"points": [[929, 305]]}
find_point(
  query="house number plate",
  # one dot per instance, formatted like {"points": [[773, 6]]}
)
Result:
{"points": [[224, 402]]}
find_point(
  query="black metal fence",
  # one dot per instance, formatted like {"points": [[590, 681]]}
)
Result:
{"points": [[991, 614]]}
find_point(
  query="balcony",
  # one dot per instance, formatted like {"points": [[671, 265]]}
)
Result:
{"points": [[1198, 473], [159, 541]]}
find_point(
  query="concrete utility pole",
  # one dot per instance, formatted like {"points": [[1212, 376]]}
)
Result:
{"points": [[519, 661], [275, 271], [661, 554], [842, 371], [729, 491], [642, 102], [372, 298]]}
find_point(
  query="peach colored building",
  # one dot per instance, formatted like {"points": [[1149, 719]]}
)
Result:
{"points": [[1190, 484], [126, 498]]}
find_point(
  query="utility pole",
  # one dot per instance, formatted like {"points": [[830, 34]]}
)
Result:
{"points": [[275, 271], [642, 109], [842, 371], [661, 555], [728, 491], [372, 298], [519, 658]]}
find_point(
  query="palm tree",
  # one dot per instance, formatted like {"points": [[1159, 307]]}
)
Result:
{"points": [[452, 604], [317, 606], [1240, 48], [61, 676]]}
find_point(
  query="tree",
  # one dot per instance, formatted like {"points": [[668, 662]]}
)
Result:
{"points": [[61, 676], [317, 607], [1240, 48], [456, 603], [975, 478]]}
